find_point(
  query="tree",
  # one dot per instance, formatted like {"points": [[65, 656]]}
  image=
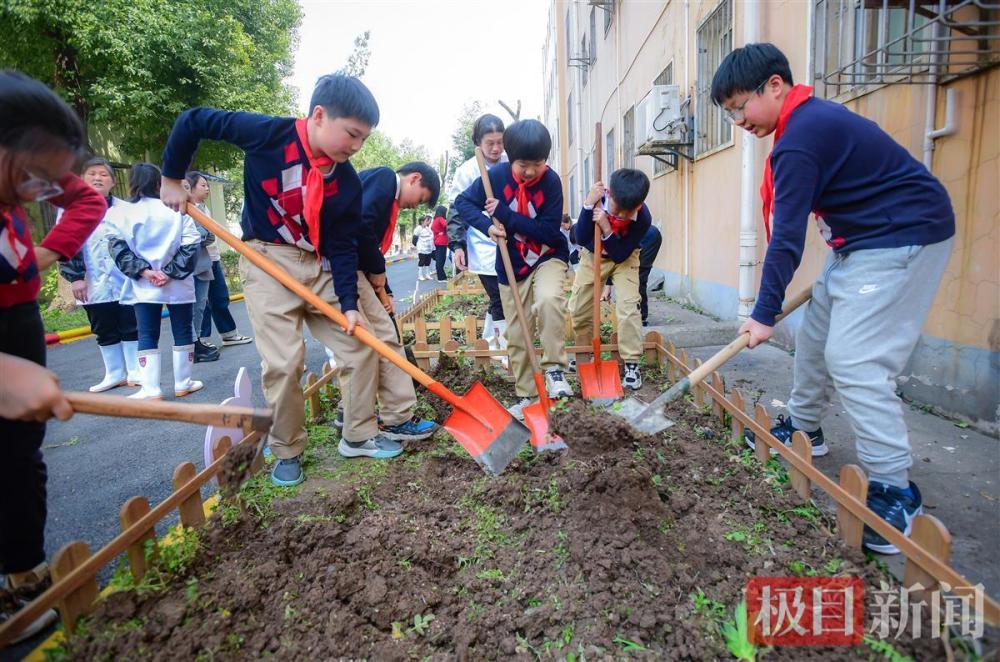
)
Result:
{"points": [[129, 67], [357, 61]]}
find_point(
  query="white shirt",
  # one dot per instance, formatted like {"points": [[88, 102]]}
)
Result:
{"points": [[425, 239], [155, 233], [482, 251], [104, 280]]}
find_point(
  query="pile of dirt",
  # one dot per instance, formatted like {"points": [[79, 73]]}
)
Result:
{"points": [[625, 544], [459, 377]]}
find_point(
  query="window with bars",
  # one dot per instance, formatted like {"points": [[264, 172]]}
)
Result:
{"points": [[587, 173], [666, 77], [609, 154], [593, 35], [585, 68], [628, 139], [715, 41]]}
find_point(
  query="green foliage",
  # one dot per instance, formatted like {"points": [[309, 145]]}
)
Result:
{"points": [[56, 320], [128, 67], [735, 633], [357, 61]]}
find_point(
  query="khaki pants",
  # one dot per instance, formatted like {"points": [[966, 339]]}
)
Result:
{"points": [[625, 278], [545, 305], [394, 387], [277, 316]]}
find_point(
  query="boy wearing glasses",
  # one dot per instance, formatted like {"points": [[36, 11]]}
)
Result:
{"points": [[890, 225]]}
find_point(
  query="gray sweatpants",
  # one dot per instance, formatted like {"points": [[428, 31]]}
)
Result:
{"points": [[867, 310]]}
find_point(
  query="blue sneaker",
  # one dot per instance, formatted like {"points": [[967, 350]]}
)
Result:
{"points": [[897, 507], [380, 447], [287, 473], [414, 429], [783, 431]]}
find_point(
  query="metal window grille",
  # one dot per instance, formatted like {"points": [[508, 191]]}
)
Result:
{"points": [[593, 34], [609, 154], [715, 41], [628, 139]]}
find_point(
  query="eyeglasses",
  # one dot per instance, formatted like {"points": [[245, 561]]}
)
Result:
{"points": [[735, 116], [38, 189]]}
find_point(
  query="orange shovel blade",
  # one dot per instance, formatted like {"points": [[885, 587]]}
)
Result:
{"points": [[537, 420], [599, 380], [486, 430]]}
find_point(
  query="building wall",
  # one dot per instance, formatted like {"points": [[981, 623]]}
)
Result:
{"points": [[697, 206]]}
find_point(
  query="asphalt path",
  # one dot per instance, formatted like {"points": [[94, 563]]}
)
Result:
{"points": [[96, 463]]}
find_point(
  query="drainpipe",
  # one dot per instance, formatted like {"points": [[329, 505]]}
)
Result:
{"points": [[687, 165], [749, 181], [950, 120]]}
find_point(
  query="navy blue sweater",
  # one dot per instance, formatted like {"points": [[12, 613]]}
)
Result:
{"points": [[866, 189], [618, 249], [527, 236], [379, 186], [274, 173]]}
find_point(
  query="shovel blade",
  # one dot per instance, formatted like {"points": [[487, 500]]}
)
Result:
{"points": [[599, 380], [653, 423], [486, 430], [537, 420]]}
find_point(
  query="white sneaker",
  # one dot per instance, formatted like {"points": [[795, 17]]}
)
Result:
{"points": [[555, 383], [633, 379], [517, 410]]}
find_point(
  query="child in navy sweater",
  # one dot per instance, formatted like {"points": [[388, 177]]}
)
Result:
{"points": [[891, 227], [303, 212], [529, 207], [623, 220]]}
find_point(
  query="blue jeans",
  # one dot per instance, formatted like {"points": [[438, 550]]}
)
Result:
{"points": [[149, 315], [217, 307], [200, 304]]}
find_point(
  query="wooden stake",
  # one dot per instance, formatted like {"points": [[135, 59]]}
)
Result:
{"points": [[854, 482], [424, 363], [191, 512], [697, 391], [132, 511], [482, 345], [79, 601], [471, 330], [314, 401], [761, 447], [719, 385], [446, 324], [803, 448], [929, 533], [653, 340]]}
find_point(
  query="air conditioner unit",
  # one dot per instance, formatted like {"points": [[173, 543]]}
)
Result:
{"points": [[658, 117]]}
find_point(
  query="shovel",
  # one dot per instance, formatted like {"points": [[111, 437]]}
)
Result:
{"points": [[600, 380], [246, 418], [478, 421], [536, 416], [651, 419]]}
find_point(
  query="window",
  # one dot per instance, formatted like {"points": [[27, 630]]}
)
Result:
{"points": [[593, 34], [587, 173], [628, 139], [715, 41], [609, 154], [569, 120], [666, 77], [569, 37], [573, 208], [609, 14], [584, 54]]}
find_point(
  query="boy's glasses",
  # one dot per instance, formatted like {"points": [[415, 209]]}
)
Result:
{"points": [[735, 116], [38, 189]]}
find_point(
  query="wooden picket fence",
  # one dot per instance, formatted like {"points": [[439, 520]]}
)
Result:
{"points": [[927, 550]]}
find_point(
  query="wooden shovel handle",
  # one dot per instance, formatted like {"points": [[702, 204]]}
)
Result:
{"points": [[733, 348], [247, 418], [307, 295]]}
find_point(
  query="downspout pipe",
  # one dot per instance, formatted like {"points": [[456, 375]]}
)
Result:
{"points": [[749, 208], [930, 118]]}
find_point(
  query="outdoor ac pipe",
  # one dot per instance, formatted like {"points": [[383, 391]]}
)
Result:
{"points": [[930, 116], [748, 191]]}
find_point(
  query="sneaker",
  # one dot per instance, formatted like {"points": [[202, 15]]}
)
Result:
{"points": [[11, 603], [203, 353], [380, 447], [783, 431], [338, 420], [287, 472], [555, 383], [571, 367], [414, 429], [897, 507], [235, 339], [207, 342], [517, 411], [633, 379], [645, 322]]}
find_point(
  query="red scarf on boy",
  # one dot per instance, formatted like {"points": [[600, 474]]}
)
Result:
{"points": [[312, 196], [521, 194], [391, 230], [797, 96]]}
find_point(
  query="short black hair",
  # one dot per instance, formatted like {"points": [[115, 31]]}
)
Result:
{"points": [[629, 187], [345, 96], [429, 178], [440, 211], [143, 182], [34, 118], [747, 68], [96, 161], [527, 140], [193, 176], [485, 124]]}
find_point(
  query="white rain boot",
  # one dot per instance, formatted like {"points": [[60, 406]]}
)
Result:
{"points": [[488, 330], [149, 369], [114, 368], [500, 340], [183, 361], [130, 348], [330, 358]]}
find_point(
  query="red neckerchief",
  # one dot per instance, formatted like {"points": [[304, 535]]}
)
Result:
{"points": [[389, 231], [620, 226], [797, 96], [312, 196], [522, 190]]}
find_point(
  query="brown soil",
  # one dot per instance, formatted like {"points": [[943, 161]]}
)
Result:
{"points": [[458, 306], [236, 467]]}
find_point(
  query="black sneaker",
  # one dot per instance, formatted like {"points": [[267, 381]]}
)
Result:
{"points": [[203, 353], [783, 431], [897, 507]]}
